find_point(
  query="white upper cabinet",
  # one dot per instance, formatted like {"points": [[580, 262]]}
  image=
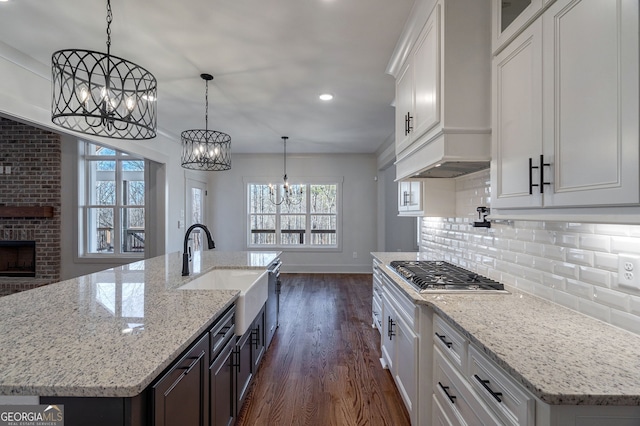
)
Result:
{"points": [[590, 74], [517, 121], [418, 86], [442, 70], [565, 109], [510, 17]]}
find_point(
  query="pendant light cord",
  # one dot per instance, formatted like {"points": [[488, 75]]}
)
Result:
{"points": [[206, 107]]}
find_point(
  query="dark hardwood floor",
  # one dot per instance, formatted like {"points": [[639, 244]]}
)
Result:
{"points": [[323, 367]]}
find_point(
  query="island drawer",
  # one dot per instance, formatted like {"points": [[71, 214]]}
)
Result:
{"points": [[223, 330]]}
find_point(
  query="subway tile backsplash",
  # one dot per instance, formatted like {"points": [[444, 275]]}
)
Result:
{"points": [[572, 264]]}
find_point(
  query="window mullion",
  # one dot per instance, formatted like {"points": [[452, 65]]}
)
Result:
{"points": [[308, 215], [117, 218]]}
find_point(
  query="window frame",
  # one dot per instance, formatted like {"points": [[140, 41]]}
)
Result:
{"points": [[307, 247], [84, 205]]}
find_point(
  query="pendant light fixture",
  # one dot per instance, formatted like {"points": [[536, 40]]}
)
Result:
{"points": [[290, 195], [206, 149], [103, 95]]}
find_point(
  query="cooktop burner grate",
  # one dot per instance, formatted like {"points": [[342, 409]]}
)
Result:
{"points": [[440, 275]]}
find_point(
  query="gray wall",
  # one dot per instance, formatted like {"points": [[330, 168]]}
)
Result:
{"points": [[227, 206], [400, 232]]}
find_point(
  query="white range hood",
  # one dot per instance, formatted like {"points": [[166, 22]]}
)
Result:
{"points": [[449, 155]]}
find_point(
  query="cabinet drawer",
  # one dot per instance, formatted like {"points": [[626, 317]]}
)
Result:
{"points": [[376, 313], [452, 344], [377, 290], [506, 398], [222, 331], [439, 416], [456, 398]]}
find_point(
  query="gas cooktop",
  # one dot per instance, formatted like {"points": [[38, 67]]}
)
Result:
{"points": [[442, 277]]}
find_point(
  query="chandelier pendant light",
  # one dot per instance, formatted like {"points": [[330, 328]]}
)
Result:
{"points": [[290, 195], [103, 95], [206, 149]]}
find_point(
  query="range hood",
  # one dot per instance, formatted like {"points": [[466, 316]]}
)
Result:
{"points": [[452, 169], [450, 155]]}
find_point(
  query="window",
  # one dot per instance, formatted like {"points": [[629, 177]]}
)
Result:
{"points": [[113, 211], [310, 220]]}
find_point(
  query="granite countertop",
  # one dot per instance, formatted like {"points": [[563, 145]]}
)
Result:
{"points": [[561, 356], [111, 333]]}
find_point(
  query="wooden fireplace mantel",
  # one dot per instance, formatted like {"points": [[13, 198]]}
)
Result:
{"points": [[26, 211]]}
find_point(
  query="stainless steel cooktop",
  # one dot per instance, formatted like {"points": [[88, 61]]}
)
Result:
{"points": [[428, 276]]}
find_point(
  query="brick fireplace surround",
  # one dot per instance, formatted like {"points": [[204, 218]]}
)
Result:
{"points": [[34, 156]]}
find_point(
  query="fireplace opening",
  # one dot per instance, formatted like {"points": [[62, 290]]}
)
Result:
{"points": [[17, 258]]}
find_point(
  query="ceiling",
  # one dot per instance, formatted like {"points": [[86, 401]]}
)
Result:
{"points": [[270, 60]]}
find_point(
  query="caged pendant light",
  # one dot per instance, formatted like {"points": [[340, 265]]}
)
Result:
{"points": [[206, 149], [290, 194], [103, 95]]}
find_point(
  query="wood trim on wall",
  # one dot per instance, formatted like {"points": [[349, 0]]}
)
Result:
{"points": [[26, 211]]}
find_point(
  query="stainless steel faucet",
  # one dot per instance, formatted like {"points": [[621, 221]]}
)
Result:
{"points": [[185, 254]]}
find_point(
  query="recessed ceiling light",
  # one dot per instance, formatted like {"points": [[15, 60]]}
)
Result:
{"points": [[326, 97]]}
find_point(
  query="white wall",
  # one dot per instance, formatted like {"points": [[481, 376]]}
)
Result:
{"points": [[227, 206], [572, 264]]}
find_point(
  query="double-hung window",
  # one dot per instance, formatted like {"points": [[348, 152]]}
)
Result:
{"points": [[112, 203], [307, 217]]}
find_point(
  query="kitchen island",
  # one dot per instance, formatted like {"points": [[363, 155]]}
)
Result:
{"points": [[112, 333], [560, 357]]}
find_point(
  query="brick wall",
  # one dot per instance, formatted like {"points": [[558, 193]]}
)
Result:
{"points": [[572, 264], [34, 156]]}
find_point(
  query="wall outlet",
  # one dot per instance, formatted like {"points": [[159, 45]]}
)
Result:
{"points": [[629, 270], [355, 254]]}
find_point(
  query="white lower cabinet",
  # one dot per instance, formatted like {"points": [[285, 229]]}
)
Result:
{"points": [[507, 400], [403, 351], [471, 389], [456, 397], [400, 347], [376, 299]]}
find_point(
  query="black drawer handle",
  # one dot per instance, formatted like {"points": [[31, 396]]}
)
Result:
{"points": [[485, 384], [390, 331], [195, 362], [444, 340], [445, 389]]}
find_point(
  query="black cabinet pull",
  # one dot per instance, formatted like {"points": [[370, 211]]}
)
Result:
{"points": [[255, 336], [406, 124], [445, 389], [406, 198], [531, 184], [541, 183], [196, 360], [409, 126], [390, 331], [444, 340], [485, 384], [235, 359], [542, 166]]}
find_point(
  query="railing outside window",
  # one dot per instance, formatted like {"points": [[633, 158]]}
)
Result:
{"points": [[310, 220]]}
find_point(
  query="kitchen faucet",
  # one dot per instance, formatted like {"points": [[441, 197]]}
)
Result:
{"points": [[185, 255]]}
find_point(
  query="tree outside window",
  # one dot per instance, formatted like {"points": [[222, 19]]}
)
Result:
{"points": [[311, 220], [114, 210]]}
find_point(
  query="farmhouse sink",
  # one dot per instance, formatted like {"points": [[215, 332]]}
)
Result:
{"points": [[253, 291]]}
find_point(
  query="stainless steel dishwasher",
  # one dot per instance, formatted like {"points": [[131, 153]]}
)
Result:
{"points": [[273, 300]]}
